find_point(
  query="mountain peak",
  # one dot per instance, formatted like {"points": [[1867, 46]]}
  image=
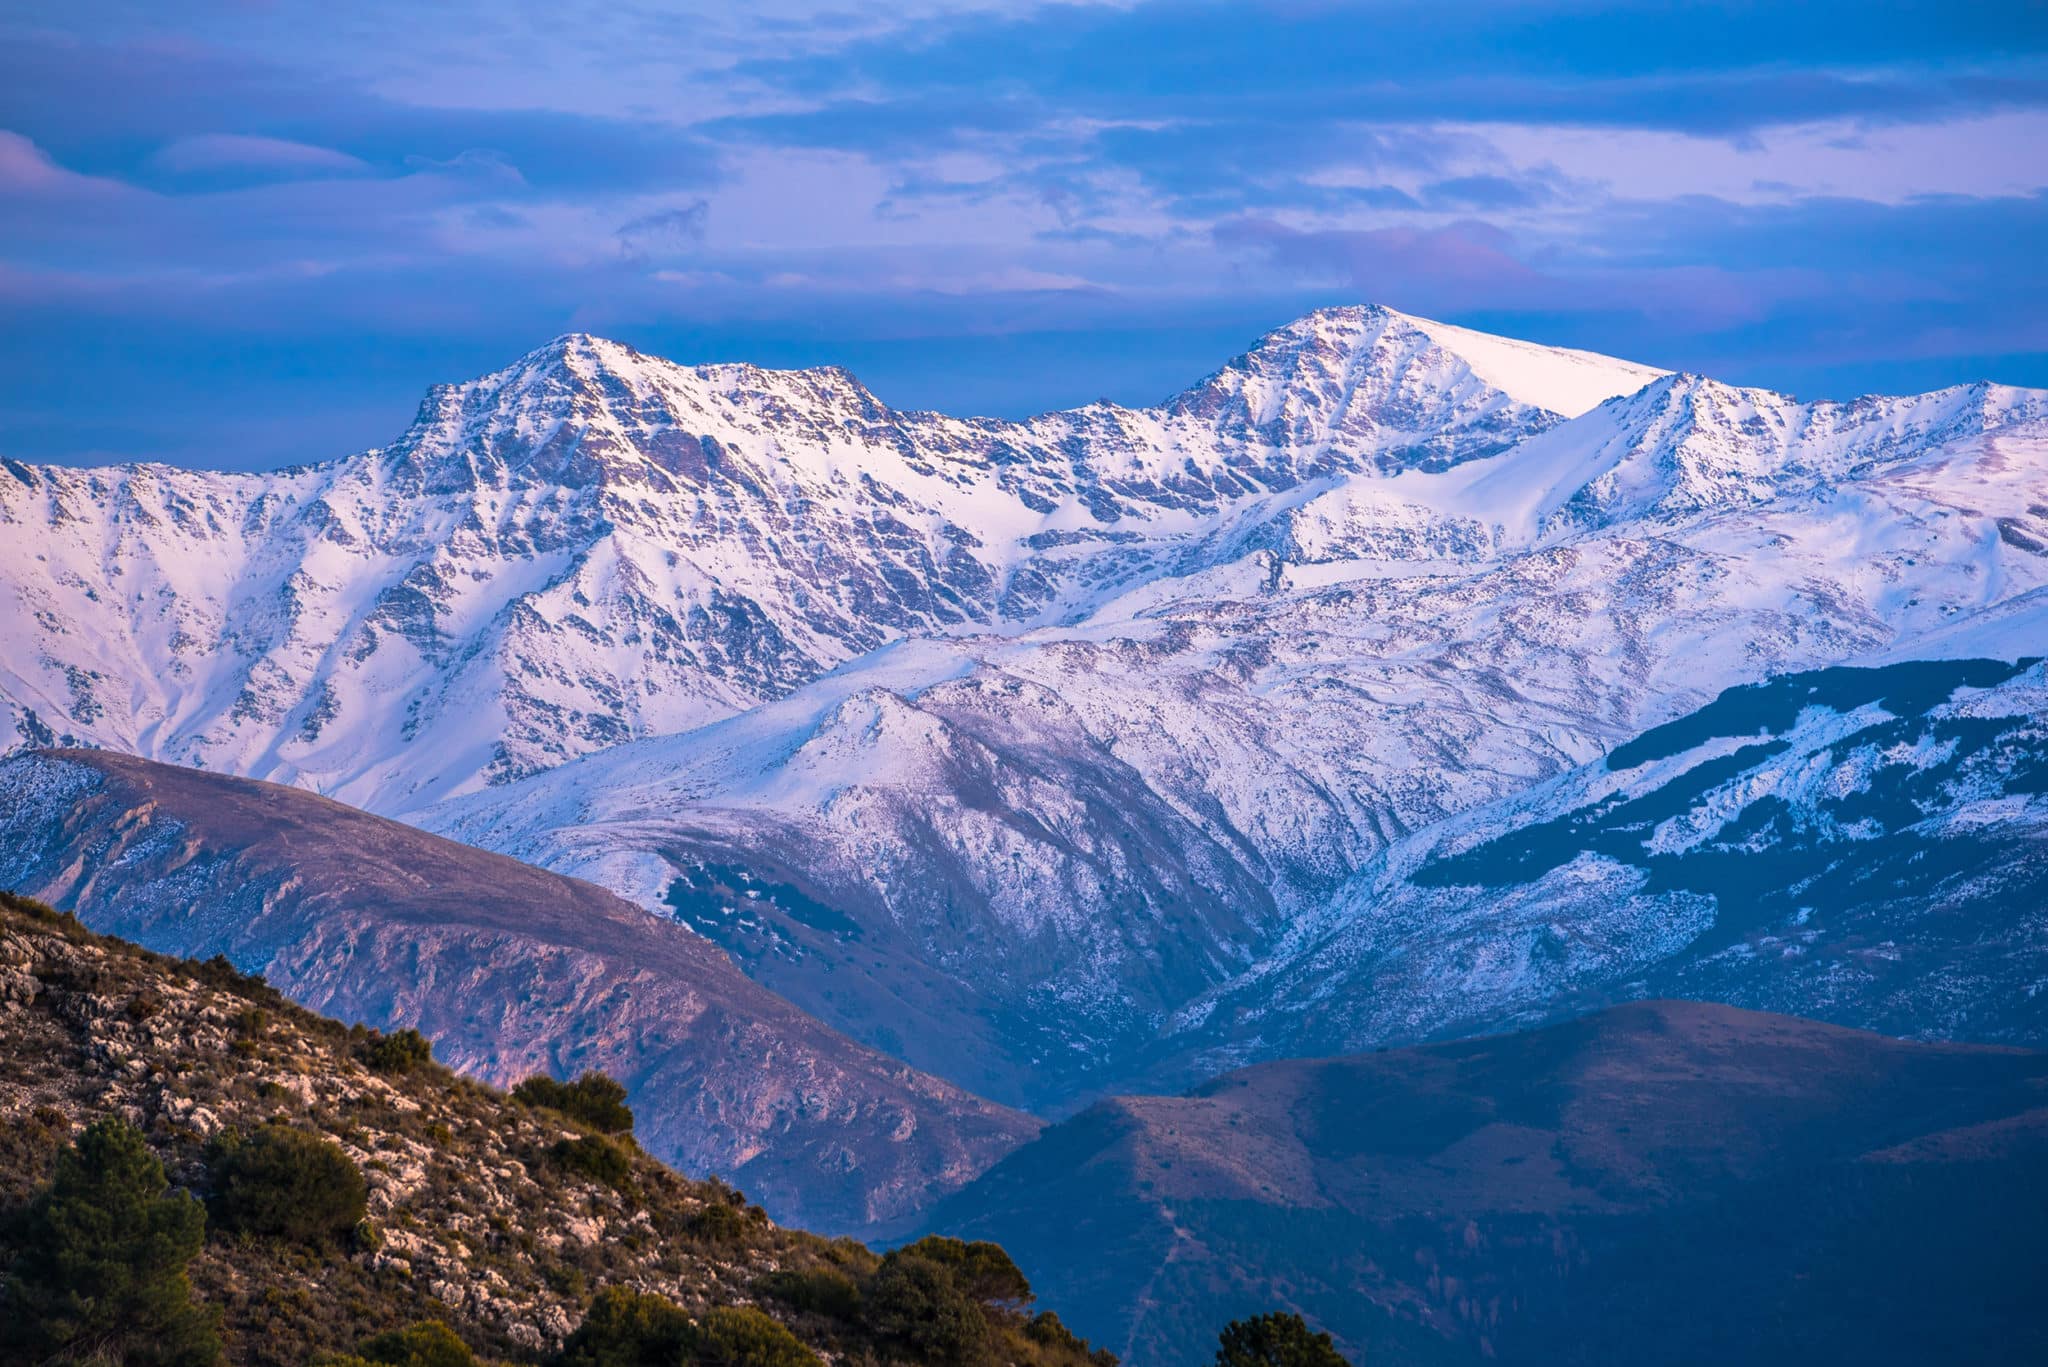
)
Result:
{"points": [[1558, 380], [590, 358], [582, 407], [577, 359], [1404, 392]]}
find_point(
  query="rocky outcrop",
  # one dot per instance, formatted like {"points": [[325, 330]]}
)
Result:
{"points": [[478, 1212]]}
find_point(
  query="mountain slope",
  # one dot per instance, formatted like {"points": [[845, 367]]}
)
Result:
{"points": [[1090, 827], [510, 969], [473, 1216], [1664, 1182], [1869, 846]]}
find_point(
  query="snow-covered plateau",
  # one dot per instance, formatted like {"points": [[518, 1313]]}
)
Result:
{"points": [[1116, 745]]}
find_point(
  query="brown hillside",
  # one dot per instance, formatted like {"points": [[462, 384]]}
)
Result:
{"points": [[1663, 1181], [510, 969]]}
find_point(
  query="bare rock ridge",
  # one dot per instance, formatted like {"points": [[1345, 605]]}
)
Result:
{"points": [[509, 969], [1664, 1181]]}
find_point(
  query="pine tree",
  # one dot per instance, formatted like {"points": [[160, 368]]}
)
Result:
{"points": [[627, 1328], [1278, 1339], [913, 1304], [101, 1271], [288, 1183]]}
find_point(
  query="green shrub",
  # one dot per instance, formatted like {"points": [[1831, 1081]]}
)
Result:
{"points": [[594, 1099], [399, 1052], [741, 1336], [286, 1183], [716, 1222], [567, 1278], [221, 972], [1278, 1339], [1046, 1329], [980, 1269], [100, 1272], [596, 1156], [626, 1328], [913, 1304], [429, 1343], [629, 1329], [817, 1291], [67, 925]]}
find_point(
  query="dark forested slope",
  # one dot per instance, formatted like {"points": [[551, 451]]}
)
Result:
{"points": [[1667, 1182]]}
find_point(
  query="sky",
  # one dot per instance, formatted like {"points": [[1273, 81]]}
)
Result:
{"points": [[238, 234]]}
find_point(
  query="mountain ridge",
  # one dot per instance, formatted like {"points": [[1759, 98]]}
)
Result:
{"points": [[481, 561], [1558, 1195], [998, 745]]}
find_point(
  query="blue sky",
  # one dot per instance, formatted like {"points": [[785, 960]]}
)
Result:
{"points": [[243, 234]]}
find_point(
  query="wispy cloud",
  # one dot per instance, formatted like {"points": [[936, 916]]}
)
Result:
{"points": [[214, 152], [1000, 206]]}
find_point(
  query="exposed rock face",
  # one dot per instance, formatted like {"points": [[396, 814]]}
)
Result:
{"points": [[1664, 1181], [510, 969]]}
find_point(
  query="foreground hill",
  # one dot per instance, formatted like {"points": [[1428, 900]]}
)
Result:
{"points": [[510, 969], [1659, 1182], [500, 1218]]}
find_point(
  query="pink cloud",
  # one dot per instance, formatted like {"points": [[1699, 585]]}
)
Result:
{"points": [[25, 169], [238, 152], [1458, 264]]}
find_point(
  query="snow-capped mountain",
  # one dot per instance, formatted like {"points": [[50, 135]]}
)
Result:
{"points": [[1082, 830], [1866, 845], [593, 545], [1013, 747]]}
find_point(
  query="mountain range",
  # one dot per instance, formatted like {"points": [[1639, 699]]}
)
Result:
{"points": [[1393, 683]]}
